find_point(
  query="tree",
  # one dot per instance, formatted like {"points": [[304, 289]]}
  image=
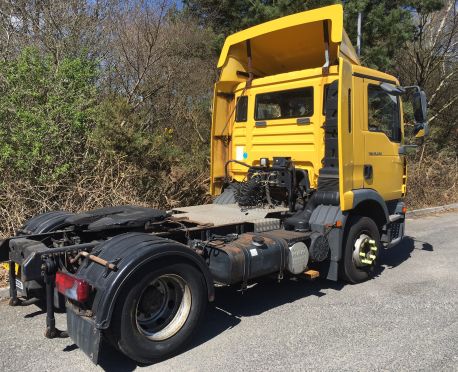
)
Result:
{"points": [[60, 28], [228, 16], [387, 24], [159, 72], [430, 60]]}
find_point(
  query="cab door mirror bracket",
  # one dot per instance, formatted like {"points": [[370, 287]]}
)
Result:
{"points": [[407, 149], [394, 90]]}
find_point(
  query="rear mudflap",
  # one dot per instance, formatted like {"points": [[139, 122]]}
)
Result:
{"points": [[83, 332]]}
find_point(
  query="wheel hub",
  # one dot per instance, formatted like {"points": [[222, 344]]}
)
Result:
{"points": [[152, 301], [365, 251], [163, 307]]}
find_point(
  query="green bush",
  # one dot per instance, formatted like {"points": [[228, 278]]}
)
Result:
{"points": [[46, 114]]}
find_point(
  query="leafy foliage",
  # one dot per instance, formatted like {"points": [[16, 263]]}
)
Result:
{"points": [[228, 16], [46, 112], [386, 24]]}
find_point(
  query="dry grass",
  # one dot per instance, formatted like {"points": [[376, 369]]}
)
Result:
{"points": [[432, 180], [106, 185]]}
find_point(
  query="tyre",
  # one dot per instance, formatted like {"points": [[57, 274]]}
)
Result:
{"points": [[361, 250], [158, 312]]}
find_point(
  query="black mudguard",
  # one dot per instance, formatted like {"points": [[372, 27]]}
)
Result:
{"points": [[40, 224], [324, 216], [131, 252], [45, 222]]}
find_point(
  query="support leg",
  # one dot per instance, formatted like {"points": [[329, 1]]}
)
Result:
{"points": [[51, 330], [14, 300]]}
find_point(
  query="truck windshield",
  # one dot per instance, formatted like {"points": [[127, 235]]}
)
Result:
{"points": [[285, 104]]}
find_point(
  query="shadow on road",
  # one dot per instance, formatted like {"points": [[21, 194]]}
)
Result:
{"points": [[231, 305], [395, 256]]}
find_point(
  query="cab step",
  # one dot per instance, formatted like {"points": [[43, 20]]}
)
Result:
{"points": [[312, 274]]}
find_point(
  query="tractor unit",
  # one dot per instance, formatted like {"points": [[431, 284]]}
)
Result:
{"points": [[308, 174]]}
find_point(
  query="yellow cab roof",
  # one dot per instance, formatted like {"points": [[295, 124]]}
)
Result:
{"points": [[291, 43]]}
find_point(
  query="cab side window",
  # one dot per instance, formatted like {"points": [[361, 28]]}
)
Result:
{"points": [[241, 109], [294, 103], [384, 113]]}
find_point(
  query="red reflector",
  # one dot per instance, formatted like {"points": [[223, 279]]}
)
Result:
{"points": [[404, 210], [72, 287]]}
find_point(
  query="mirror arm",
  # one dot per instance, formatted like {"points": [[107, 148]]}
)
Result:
{"points": [[403, 150], [394, 90], [416, 87]]}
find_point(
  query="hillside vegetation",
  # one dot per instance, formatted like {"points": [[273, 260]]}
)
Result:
{"points": [[108, 102]]}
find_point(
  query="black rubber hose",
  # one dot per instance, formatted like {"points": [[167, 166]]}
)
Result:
{"points": [[226, 173]]}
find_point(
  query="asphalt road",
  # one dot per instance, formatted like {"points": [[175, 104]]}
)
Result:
{"points": [[404, 319]]}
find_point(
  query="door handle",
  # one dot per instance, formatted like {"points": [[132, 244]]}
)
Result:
{"points": [[368, 171], [303, 121]]}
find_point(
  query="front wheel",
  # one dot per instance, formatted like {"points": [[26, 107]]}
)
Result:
{"points": [[361, 250], [157, 315]]}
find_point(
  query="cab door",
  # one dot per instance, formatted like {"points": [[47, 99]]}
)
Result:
{"points": [[383, 166]]}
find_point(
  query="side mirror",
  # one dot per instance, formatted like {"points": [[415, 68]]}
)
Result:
{"points": [[420, 111], [421, 130]]}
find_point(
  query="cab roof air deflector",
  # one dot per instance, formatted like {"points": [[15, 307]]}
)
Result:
{"points": [[290, 43]]}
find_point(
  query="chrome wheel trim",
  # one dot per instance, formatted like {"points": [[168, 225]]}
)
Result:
{"points": [[364, 251]]}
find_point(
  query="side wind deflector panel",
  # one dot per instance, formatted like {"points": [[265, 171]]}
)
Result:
{"points": [[328, 179], [345, 137]]}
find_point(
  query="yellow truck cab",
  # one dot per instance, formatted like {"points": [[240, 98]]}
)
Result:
{"points": [[293, 93], [308, 171]]}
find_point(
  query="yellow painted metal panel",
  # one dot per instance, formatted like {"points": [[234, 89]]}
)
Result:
{"points": [[345, 135], [288, 53], [291, 43], [223, 112], [381, 153], [282, 137], [358, 102]]}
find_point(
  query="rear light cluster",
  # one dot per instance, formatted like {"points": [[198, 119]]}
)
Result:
{"points": [[71, 287]]}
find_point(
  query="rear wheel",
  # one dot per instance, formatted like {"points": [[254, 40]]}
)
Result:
{"points": [[158, 313], [362, 250]]}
